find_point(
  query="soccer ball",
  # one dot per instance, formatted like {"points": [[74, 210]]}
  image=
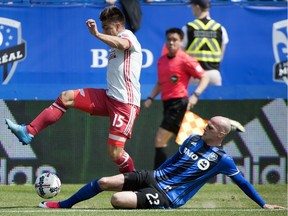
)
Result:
{"points": [[47, 185]]}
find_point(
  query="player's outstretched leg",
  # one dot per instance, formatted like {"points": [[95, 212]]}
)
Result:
{"points": [[20, 132], [48, 116], [49, 205], [86, 192]]}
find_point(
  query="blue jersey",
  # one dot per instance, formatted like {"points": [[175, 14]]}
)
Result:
{"points": [[182, 175]]}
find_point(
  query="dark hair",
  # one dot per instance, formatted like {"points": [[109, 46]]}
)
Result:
{"points": [[175, 30], [113, 14], [204, 4]]}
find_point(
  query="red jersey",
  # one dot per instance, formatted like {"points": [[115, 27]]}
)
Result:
{"points": [[174, 74]]}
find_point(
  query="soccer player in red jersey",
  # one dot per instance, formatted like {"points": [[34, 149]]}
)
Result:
{"points": [[174, 72]]}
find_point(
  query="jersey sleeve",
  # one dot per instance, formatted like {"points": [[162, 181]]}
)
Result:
{"points": [[128, 36], [192, 67], [229, 167], [248, 189]]}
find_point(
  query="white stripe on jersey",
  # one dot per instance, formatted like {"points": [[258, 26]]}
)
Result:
{"points": [[130, 122], [127, 76], [82, 92]]}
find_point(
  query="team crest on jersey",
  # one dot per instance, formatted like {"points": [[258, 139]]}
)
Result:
{"points": [[174, 79], [112, 54], [212, 157], [203, 164], [12, 47]]}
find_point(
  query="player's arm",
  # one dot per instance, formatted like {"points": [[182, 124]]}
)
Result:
{"points": [[225, 40], [202, 85], [192, 67], [114, 41], [156, 90], [110, 40], [251, 192], [248, 189]]}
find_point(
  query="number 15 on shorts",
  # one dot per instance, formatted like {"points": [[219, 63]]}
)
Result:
{"points": [[118, 120]]}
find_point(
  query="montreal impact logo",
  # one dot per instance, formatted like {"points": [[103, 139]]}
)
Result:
{"points": [[280, 49], [12, 47]]}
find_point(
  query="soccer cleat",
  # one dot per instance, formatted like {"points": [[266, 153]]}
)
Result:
{"points": [[236, 126], [20, 132], [49, 205]]}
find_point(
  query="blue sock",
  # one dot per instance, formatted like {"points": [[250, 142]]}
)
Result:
{"points": [[88, 191]]}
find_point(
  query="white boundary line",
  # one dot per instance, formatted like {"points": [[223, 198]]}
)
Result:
{"points": [[134, 210]]}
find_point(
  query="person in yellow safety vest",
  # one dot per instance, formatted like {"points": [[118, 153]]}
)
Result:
{"points": [[205, 40]]}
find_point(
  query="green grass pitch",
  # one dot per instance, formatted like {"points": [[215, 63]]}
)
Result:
{"points": [[211, 200]]}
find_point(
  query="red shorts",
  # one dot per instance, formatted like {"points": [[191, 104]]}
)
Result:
{"points": [[122, 115]]}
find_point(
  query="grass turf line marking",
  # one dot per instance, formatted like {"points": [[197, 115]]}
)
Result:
{"points": [[134, 210]]}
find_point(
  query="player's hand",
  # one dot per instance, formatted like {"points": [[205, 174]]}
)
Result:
{"points": [[192, 101], [92, 26], [147, 103], [268, 206]]}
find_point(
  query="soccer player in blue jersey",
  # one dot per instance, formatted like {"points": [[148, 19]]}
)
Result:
{"points": [[176, 181]]}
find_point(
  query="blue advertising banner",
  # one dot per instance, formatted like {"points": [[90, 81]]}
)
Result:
{"points": [[47, 49]]}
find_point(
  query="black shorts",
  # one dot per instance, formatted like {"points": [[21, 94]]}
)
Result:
{"points": [[174, 111], [149, 195]]}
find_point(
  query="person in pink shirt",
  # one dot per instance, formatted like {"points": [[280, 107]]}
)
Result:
{"points": [[175, 69]]}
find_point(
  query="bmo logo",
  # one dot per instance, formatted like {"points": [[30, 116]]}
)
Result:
{"points": [[100, 58]]}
